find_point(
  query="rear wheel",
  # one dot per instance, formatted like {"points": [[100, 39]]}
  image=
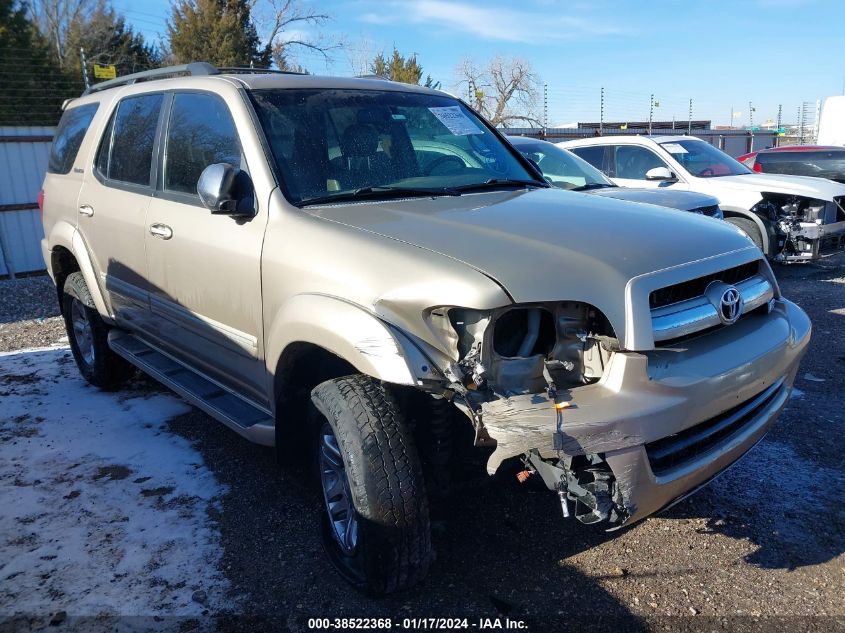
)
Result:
{"points": [[376, 524], [88, 337], [749, 228]]}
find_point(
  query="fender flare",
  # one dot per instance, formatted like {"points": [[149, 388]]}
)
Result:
{"points": [[352, 333], [65, 235], [765, 231]]}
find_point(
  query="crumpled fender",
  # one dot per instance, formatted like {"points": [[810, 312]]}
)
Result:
{"points": [[349, 331]]}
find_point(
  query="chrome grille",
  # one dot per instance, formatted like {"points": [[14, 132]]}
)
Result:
{"points": [[696, 313], [696, 287]]}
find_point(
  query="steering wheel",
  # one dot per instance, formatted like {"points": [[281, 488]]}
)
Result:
{"points": [[707, 171], [443, 160]]}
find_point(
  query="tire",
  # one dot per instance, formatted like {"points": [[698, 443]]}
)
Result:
{"points": [[389, 546], [88, 337], [749, 228]]}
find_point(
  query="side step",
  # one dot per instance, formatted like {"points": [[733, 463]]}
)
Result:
{"points": [[255, 424]]}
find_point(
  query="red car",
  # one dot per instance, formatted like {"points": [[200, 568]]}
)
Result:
{"points": [[799, 160]]}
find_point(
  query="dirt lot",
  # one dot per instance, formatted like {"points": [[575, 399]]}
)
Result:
{"points": [[761, 548]]}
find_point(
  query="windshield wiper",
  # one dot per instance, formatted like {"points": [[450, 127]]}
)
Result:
{"points": [[592, 185], [495, 183], [382, 192]]}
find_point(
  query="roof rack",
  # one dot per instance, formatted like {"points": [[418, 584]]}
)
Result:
{"points": [[243, 70], [372, 76], [196, 68]]}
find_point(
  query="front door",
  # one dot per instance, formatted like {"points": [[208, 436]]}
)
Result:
{"points": [[632, 162], [206, 269]]}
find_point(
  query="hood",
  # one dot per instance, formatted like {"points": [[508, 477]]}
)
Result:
{"points": [[547, 244], [809, 186], [683, 200]]}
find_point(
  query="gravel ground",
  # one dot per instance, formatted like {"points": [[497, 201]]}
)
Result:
{"points": [[29, 313], [761, 548]]}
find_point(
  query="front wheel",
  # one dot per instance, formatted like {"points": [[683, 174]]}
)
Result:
{"points": [[749, 228], [375, 526]]}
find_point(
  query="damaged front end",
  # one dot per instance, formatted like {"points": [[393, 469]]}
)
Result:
{"points": [[805, 228], [543, 353]]}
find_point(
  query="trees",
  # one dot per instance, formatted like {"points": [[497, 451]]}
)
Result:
{"points": [[504, 91], [33, 86], [224, 32], [107, 40], [217, 31], [284, 36], [399, 68], [54, 19]]}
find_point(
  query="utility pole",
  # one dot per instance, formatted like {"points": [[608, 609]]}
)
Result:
{"points": [[750, 115], [689, 119], [731, 120], [780, 111], [545, 109], [84, 68], [650, 112], [601, 113]]}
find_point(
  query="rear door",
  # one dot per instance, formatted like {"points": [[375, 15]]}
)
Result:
{"points": [[112, 205], [205, 269]]}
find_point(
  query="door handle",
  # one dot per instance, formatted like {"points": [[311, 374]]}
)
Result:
{"points": [[86, 210], [161, 230]]}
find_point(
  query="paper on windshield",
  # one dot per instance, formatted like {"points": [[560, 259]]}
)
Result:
{"points": [[455, 120], [674, 148]]}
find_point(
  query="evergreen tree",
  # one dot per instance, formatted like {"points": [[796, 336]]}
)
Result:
{"points": [[217, 31], [33, 86], [399, 68]]}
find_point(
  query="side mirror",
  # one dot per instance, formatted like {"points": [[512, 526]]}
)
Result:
{"points": [[660, 173], [226, 190]]}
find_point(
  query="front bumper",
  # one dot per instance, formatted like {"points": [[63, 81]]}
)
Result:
{"points": [[809, 241], [650, 396]]}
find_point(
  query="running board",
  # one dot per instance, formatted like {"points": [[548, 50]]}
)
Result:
{"points": [[220, 403]]}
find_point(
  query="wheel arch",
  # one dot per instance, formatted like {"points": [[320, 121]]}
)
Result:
{"points": [[765, 227]]}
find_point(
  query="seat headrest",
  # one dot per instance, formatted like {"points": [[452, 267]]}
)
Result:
{"points": [[359, 140]]}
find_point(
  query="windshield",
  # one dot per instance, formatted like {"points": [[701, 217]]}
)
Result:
{"points": [[562, 168], [340, 143], [703, 160]]}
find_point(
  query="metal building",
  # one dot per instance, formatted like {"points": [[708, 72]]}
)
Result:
{"points": [[23, 161]]}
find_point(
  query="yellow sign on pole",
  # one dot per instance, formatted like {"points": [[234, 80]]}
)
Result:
{"points": [[105, 72]]}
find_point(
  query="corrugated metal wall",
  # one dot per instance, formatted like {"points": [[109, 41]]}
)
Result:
{"points": [[23, 160]]}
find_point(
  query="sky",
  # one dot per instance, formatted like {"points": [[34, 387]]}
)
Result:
{"points": [[724, 55]]}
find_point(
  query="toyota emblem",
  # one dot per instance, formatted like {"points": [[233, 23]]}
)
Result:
{"points": [[730, 306]]}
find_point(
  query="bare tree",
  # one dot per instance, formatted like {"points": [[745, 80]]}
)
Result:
{"points": [[286, 17], [54, 19], [504, 91]]}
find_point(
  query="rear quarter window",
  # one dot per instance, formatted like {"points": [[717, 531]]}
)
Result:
{"points": [[69, 135]]}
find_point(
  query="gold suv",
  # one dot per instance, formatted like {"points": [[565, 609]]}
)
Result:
{"points": [[368, 273]]}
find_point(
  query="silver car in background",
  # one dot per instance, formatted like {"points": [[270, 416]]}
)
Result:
{"points": [[565, 170]]}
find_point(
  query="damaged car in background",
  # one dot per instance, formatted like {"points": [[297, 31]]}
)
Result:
{"points": [[324, 276], [790, 218]]}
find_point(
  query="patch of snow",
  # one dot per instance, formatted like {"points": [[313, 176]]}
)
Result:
{"points": [[105, 512]]}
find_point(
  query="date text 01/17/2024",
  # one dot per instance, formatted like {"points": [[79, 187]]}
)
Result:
{"points": [[416, 624]]}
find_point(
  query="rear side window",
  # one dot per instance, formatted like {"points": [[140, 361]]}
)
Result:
{"points": [[126, 151], [69, 135], [593, 155], [201, 132]]}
